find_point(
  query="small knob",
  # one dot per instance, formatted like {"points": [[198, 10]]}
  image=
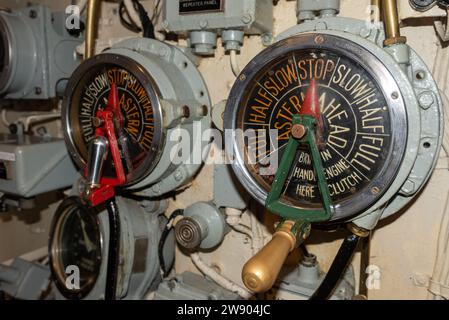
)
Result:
{"points": [[261, 271]]}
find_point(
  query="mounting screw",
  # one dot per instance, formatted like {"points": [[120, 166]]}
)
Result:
{"points": [[204, 110], [375, 190], [267, 39], [247, 18], [395, 95], [178, 175], [319, 39], [156, 188], [185, 112], [365, 32], [242, 77], [204, 24], [33, 14]]}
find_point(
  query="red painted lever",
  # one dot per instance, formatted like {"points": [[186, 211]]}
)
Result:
{"points": [[107, 129]]}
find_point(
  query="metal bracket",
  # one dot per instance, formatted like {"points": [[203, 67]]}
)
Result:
{"points": [[441, 29]]}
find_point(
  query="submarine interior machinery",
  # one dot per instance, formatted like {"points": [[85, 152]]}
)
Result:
{"points": [[224, 150]]}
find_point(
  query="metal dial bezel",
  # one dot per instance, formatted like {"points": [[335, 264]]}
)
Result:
{"points": [[378, 71], [5, 38], [55, 248], [153, 92]]}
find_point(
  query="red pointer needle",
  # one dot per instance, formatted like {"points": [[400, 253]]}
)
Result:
{"points": [[311, 107], [114, 106]]}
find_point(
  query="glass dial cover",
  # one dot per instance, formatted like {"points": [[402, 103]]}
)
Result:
{"points": [[362, 131], [139, 136]]}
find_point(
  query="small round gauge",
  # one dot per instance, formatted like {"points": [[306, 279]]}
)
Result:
{"points": [[363, 125], [75, 248], [139, 135]]}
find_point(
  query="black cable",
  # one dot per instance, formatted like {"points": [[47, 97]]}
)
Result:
{"points": [[113, 250], [304, 250], [163, 238], [338, 267], [156, 9], [147, 24], [128, 24], [364, 263]]}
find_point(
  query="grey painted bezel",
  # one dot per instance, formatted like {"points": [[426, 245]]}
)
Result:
{"points": [[5, 38], [378, 71], [144, 77]]}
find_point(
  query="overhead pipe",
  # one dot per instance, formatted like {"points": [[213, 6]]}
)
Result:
{"points": [[93, 14], [391, 23]]}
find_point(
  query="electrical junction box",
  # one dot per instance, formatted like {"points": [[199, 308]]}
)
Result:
{"points": [[252, 16], [32, 165], [203, 20]]}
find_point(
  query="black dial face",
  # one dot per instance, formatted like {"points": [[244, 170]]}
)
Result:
{"points": [[76, 248], [355, 135], [138, 135]]}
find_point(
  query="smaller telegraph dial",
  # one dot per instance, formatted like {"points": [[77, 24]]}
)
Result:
{"points": [[139, 132], [76, 240], [357, 134]]}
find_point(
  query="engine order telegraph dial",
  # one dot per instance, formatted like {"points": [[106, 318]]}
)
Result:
{"points": [[76, 240], [361, 134], [138, 132]]}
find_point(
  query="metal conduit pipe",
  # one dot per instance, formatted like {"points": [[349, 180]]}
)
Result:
{"points": [[93, 13], [391, 23]]}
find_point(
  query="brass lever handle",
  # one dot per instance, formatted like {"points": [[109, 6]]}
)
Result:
{"points": [[262, 270]]}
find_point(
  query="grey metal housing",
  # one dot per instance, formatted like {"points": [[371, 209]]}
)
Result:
{"points": [[252, 16], [38, 54], [232, 20], [34, 165], [139, 268]]}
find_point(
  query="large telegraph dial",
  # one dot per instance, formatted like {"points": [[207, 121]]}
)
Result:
{"points": [[329, 125], [159, 92], [363, 125], [368, 129]]}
